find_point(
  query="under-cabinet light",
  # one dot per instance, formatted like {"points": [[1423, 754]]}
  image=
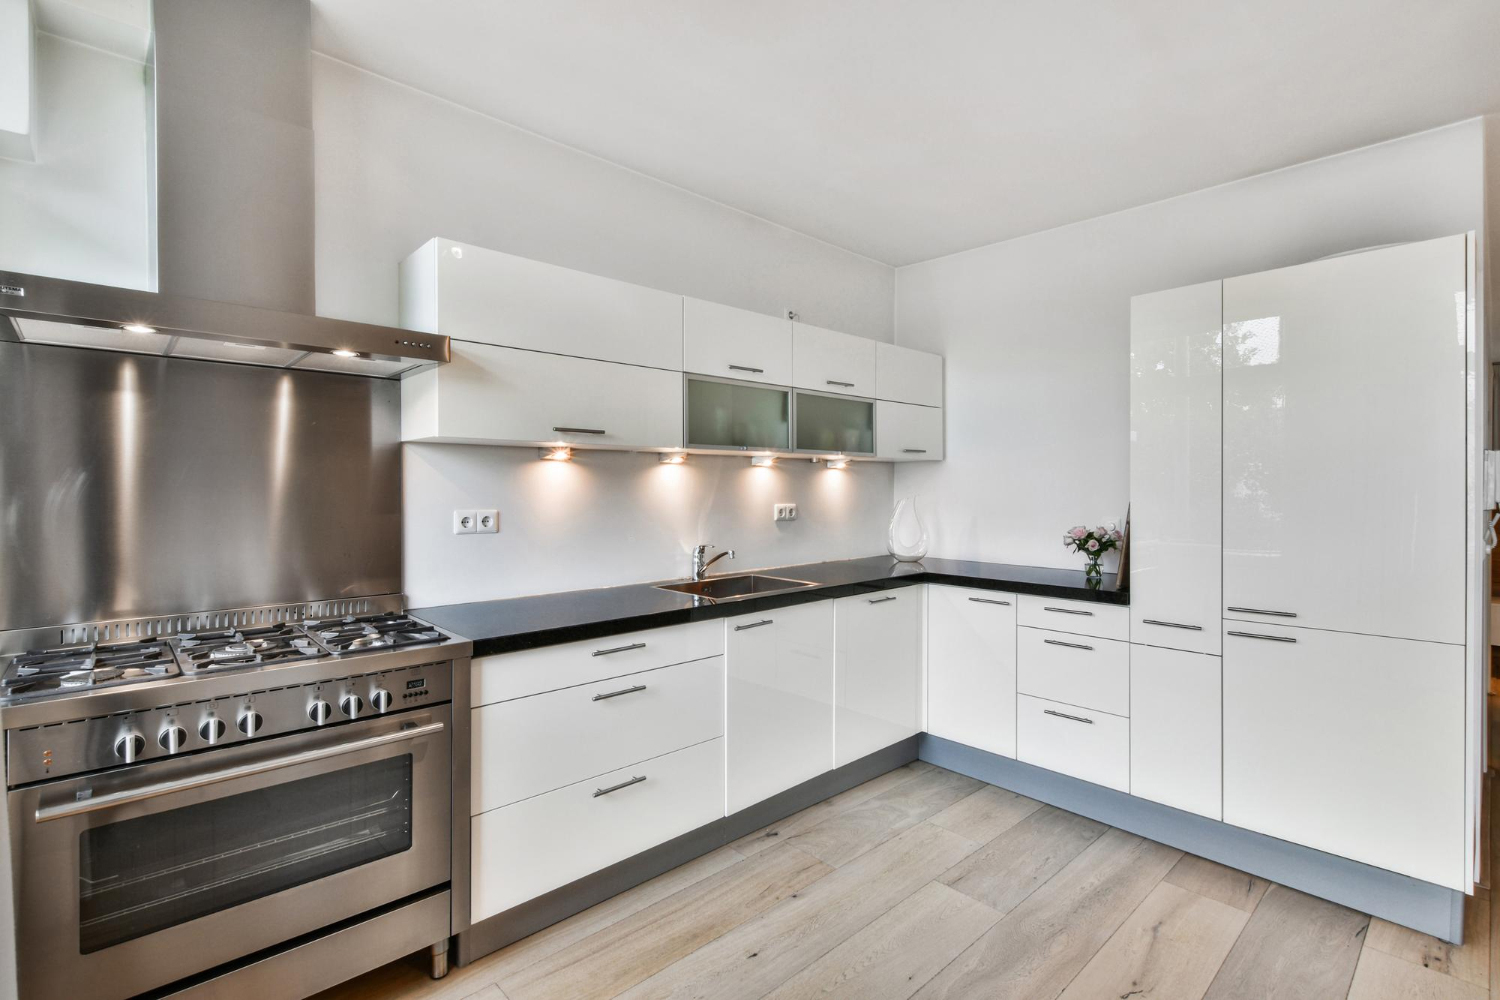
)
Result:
{"points": [[345, 354], [763, 461], [559, 454], [838, 463], [672, 458], [138, 328]]}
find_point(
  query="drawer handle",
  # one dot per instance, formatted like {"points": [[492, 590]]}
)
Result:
{"points": [[1258, 611], [747, 368], [763, 621], [615, 788], [914, 451], [1065, 715], [846, 385], [615, 694], [1257, 635], [986, 600], [1069, 611], [1153, 621], [578, 430], [1070, 645], [619, 649], [879, 600]]}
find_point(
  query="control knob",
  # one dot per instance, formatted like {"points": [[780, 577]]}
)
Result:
{"points": [[130, 746], [319, 711], [171, 738], [250, 722], [380, 700], [352, 705], [212, 730]]}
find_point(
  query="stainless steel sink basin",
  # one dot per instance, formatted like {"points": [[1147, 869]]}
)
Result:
{"points": [[728, 588]]}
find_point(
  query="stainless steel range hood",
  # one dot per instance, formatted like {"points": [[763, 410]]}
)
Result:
{"points": [[41, 310]]}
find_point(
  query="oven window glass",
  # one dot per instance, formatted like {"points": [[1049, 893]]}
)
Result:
{"points": [[143, 875]]}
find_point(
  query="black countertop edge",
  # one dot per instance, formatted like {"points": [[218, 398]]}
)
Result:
{"points": [[518, 623]]}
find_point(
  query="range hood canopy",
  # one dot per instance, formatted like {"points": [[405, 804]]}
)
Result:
{"points": [[41, 310]]}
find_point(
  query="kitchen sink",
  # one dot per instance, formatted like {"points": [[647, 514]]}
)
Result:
{"points": [[728, 588]]}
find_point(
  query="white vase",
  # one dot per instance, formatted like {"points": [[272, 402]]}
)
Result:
{"points": [[907, 538]]}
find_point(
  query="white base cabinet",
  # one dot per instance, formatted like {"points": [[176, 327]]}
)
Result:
{"points": [[1084, 743], [1176, 734], [971, 667], [522, 850], [1350, 744], [779, 701], [878, 678]]}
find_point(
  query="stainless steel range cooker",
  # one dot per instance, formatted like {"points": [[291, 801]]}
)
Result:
{"points": [[247, 802]]}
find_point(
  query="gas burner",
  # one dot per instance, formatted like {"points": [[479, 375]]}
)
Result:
{"points": [[356, 634], [62, 669], [229, 649]]}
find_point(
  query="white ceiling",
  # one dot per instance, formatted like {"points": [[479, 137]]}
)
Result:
{"points": [[906, 130]]}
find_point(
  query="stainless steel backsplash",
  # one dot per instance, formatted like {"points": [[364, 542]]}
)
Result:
{"points": [[138, 485]]}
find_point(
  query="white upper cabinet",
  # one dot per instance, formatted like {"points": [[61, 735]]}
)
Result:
{"points": [[878, 677], [470, 293], [971, 667], [907, 376], [828, 361], [1176, 392], [908, 433], [735, 343], [1344, 438], [498, 395]]}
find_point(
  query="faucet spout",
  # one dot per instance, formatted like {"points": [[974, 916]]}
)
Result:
{"points": [[701, 565]]}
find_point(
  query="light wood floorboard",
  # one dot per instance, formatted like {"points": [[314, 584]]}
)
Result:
{"points": [[922, 883]]}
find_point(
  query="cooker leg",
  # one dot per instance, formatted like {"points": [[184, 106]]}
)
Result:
{"points": [[440, 959]]}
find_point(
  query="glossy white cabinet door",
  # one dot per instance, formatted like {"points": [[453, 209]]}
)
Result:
{"points": [[735, 343], [828, 361], [497, 395], [1176, 394], [1344, 438], [907, 376], [780, 701], [1350, 744], [470, 293], [877, 686], [971, 667], [908, 433], [1082, 742], [1176, 734]]}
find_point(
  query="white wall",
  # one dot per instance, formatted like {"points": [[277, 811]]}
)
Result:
{"points": [[1036, 331], [612, 518], [80, 209], [395, 167]]}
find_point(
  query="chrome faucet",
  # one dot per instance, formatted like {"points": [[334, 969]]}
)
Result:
{"points": [[700, 567]]}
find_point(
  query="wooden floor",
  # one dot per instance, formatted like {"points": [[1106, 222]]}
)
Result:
{"points": [[924, 883]]}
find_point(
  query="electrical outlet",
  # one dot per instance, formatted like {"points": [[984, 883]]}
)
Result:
{"points": [[465, 522], [784, 512], [489, 522]]}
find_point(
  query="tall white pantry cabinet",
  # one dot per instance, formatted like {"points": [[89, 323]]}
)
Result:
{"points": [[1303, 555]]}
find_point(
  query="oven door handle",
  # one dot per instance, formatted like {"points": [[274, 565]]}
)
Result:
{"points": [[111, 800]]}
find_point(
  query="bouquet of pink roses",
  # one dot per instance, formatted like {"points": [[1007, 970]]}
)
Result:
{"points": [[1093, 543]]}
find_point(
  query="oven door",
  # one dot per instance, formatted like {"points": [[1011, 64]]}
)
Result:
{"points": [[141, 876]]}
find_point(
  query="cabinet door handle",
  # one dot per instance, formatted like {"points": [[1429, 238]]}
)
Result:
{"points": [[1069, 611], [578, 430], [986, 600], [763, 621], [1258, 611], [879, 600], [619, 649], [615, 694], [914, 451], [1153, 621], [846, 385], [1065, 715], [1257, 635], [615, 788], [747, 368], [1070, 645]]}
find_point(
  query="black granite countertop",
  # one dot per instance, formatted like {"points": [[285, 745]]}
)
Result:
{"points": [[548, 619]]}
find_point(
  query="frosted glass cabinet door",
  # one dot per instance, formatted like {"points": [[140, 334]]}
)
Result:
{"points": [[835, 424], [724, 414], [1344, 443], [1176, 391], [971, 667]]}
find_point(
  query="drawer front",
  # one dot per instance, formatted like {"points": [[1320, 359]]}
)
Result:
{"points": [[523, 850], [1107, 621], [533, 671], [1074, 669], [527, 746], [1093, 746]]}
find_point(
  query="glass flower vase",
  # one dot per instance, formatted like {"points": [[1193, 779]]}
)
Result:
{"points": [[1093, 573], [907, 538]]}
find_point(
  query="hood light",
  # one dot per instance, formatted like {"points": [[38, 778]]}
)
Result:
{"points": [[672, 458], [558, 454], [763, 461], [138, 328], [344, 354]]}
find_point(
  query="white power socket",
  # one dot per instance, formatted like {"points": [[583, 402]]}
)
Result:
{"points": [[784, 512], [465, 522], [489, 522]]}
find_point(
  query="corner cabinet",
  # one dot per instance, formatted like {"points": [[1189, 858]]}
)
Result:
{"points": [[971, 667], [877, 688]]}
